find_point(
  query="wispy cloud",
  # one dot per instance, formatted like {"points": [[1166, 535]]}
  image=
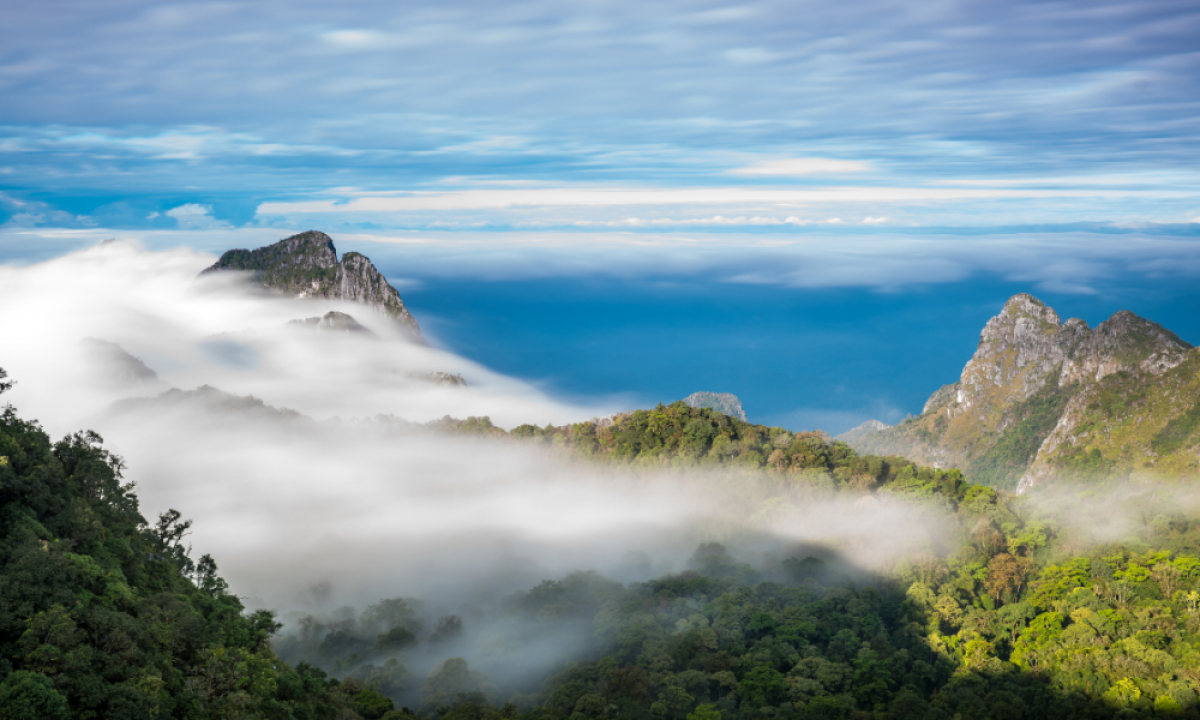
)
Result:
{"points": [[212, 103], [802, 166]]}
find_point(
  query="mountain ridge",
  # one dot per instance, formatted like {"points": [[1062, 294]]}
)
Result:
{"points": [[306, 265], [1011, 418]]}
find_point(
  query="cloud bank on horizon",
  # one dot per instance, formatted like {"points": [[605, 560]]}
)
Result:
{"points": [[532, 116]]}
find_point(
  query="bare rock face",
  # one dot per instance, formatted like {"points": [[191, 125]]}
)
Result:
{"points": [[1026, 346], [306, 266], [1019, 393]]}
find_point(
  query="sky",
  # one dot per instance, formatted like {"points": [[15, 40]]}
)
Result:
{"points": [[813, 205]]}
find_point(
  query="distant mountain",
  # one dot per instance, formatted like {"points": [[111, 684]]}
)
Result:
{"points": [[307, 266], [1042, 399], [115, 369], [726, 403], [332, 320], [868, 427]]}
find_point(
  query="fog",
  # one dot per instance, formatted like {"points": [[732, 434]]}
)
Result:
{"points": [[1091, 511], [218, 331], [329, 490]]}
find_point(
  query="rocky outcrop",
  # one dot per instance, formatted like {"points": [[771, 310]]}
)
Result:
{"points": [[334, 321], [307, 266], [726, 403], [1021, 390]]}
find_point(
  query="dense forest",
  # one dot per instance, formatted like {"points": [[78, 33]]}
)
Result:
{"points": [[103, 615], [1027, 613]]}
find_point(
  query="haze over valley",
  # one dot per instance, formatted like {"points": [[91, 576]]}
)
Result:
{"points": [[617, 361]]}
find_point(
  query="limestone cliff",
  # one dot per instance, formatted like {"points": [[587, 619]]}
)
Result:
{"points": [[307, 266], [1023, 390]]}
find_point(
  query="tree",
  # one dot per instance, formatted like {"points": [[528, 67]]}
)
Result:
{"points": [[28, 695], [1006, 574], [450, 680]]}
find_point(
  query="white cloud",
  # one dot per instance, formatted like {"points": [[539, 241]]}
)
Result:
{"points": [[363, 39], [196, 217], [499, 198], [802, 166]]}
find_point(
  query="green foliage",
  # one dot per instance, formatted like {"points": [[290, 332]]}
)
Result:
{"points": [[1033, 421], [1178, 433], [27, 695], [102, 616]]}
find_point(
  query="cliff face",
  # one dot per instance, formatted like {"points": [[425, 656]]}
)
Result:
{"points": [[306, 266], [1023, 391]]}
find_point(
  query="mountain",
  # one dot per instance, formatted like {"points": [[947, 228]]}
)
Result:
{"points": [[726, 403], [1042, 398], [867, 428], [332, 320], [307, 266], [114, 368]]}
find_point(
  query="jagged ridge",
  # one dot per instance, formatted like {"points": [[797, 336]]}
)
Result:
{"points": [[1032, 381], [306, 266]]}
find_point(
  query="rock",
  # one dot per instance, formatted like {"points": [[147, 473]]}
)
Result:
{"points": [[726, 403], [333, 320], [306, 266]]}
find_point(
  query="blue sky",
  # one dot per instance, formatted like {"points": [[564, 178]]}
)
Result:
{"points": [[529, 114], [934, 155]]}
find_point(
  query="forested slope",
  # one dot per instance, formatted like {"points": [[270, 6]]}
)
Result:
{"points": [[1034, 612], [1030, 611], [103, 616]]}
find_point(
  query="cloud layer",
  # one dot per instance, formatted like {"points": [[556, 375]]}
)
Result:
{"points": [[134, 109]]}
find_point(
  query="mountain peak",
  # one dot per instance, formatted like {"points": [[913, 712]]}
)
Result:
{"points": [[306, 266], [1031, 384]]}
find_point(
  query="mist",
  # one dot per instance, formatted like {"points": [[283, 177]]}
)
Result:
{"points": [[310, 468]]}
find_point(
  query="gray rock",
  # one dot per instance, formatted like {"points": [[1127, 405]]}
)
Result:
{"points": [[306, 266], [333, 320], [726, 403]]}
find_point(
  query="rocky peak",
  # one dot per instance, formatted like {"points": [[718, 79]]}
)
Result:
{"points": [[1032, 384], [1026, 345], [306, 266], [333, 320], [726, 403]]}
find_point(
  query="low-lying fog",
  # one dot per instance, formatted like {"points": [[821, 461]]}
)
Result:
{"points": [[365, 508]]}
